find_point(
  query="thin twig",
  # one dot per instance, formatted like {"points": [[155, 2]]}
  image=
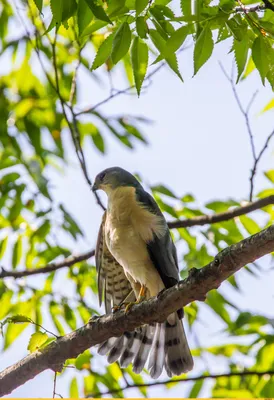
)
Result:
{"points": [[119, 92], [220, 217], [245, 113], [67, 262], [192, 379], [244, 9], [195, 221], [54, 387]]}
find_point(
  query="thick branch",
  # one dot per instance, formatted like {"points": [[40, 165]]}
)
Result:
{"points": [[196, 221], [67, 262], [195, 287]]}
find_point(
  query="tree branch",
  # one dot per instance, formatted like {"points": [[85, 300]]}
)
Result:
{"points": [[186, 223], [157, 309], [220, 217], [192, 379], [244, 9], [268, 5], [67, 262]]}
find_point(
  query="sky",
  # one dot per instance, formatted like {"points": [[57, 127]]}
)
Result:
{"points": [[198, 144]]}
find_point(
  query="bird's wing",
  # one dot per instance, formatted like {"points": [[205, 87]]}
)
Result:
{"points": [[161, 249], [112, 281]]}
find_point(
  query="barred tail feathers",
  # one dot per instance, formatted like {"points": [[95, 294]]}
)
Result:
{"points": [[163, 345], [178, 357]]}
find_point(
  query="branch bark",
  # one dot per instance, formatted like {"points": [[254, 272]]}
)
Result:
{"points": [[67, 262], [195, 287], [225, 216], [196, 221]]}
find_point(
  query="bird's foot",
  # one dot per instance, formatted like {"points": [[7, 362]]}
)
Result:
{"points": [[133, 303], [118, 307]]}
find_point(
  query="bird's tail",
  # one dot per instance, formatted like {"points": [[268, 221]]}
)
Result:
{"points": [[178, 358], [163, 345]]}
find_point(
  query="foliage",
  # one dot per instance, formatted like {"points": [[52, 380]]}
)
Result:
{"points": [[124, 23], [38, 115]]}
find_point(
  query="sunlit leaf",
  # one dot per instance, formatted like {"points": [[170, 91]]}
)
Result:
{"points": [[203, 48], [73, 390], [121, 42], [140, 5], [139, 60], [36, 341], [98, 10], [103, 52]]}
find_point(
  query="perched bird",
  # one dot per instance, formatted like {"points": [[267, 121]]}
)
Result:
{"points": [[135, 260]]}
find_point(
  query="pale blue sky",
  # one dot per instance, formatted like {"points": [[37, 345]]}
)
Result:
{"points": [[198, 145]]}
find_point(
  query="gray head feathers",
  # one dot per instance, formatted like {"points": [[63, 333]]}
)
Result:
{"points": [[114, 177]]}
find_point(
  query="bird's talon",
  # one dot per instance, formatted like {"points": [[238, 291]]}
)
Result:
{"points": [[129, 306], [114, 309], [94, 318]]}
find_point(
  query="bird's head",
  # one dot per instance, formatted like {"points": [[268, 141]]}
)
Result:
{"points": [[113, 178]]}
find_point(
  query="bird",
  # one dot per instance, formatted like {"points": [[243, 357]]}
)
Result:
{"points": [[135, 260]]}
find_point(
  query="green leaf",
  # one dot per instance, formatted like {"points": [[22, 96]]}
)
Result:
{"points": [[98, 11], [73, 390], [37, 340], [141, 27], [203, 49], [196, 388], [260, 49], [249, 68], [98, 141], [241, 52], [84, 16], [17, 252], [270, 174], [117, 8], [70, 317], [268, 389], [217, 302], [159, 42], [139, 60], [140, 5], [186, 7], [83, 361], [69, 9], [121, 42], [251, 226], [103, 52], [163, 190], [57, 10], [3, 246], [43, 230], [237, 27], [39, 4], [19, 319], [173, 43], [269, 106]]}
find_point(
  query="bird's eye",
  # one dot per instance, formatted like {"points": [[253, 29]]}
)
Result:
{"points": [[102, 176]]}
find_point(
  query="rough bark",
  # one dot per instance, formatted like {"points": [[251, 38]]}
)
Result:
{"points": [[195, 287]]}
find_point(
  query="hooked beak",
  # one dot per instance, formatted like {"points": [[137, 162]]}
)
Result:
{"points": [[94, 187]]}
